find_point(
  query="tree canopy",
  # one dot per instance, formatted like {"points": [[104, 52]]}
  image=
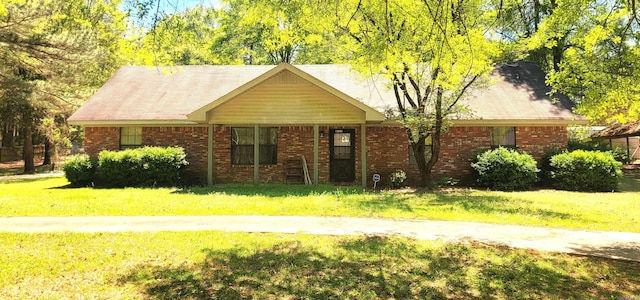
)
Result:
{"points": [[589, 47], [432, 52], [53, 53]]}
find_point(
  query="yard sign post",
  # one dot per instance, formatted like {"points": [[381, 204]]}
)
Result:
{"points": [[376, 179]]}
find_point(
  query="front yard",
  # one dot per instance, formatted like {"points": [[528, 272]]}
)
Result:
{"points": [[618, 211], [225, 265], [220, 265]]}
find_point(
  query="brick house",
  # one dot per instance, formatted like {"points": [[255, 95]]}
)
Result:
{"points": [[243, 124]]}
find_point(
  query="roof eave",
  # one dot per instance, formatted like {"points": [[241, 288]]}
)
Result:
{"points": [[520, 122], [122, 123]]}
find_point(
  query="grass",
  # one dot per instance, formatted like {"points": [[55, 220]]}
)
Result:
{"points": [[219, 265], [618, 211]]}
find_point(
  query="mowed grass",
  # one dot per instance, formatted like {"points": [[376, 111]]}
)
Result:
{"points": [[619, 211], [219, 265]]}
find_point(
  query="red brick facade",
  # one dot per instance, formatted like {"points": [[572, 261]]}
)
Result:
{"points": [[387, 149]]}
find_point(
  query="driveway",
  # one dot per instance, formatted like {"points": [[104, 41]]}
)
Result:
{"points": [[615, 245]]}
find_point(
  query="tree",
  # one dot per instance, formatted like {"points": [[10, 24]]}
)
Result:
{"points": [[53, 53], [432, 51], [272, 31], [589, 48], [240, 32]]}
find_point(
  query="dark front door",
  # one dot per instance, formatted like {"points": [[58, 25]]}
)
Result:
{"points": [[342, 157]]}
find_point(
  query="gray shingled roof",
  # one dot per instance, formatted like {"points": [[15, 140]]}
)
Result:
{"points": [[149, 94]]}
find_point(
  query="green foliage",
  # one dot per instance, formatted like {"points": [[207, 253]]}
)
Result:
{"points": [[398, 178], [148, 166], [589, 48], [447, 182], [618, 153], [79, 170], [431, 56], [581, 170], [505, 169]]}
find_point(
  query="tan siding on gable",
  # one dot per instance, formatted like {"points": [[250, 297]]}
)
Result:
{"points": [[286, 99]]}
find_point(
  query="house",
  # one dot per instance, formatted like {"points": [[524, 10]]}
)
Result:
{"points": [[243, 124]]}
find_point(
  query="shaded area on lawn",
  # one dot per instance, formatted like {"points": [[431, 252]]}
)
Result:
{"points": [[378, 267]]}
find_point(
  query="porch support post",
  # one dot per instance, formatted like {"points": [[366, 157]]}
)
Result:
{"points": [[628, 150], [256, 154], [316, 146], [363, 153], [210, 156]]}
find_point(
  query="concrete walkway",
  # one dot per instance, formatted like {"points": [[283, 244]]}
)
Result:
{"points": [[616, 245]]}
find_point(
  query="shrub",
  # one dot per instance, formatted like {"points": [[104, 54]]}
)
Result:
{"points": [[148, 166], [79, 170], [582, 170], [618, 153], [505, 169], [398, 178]]}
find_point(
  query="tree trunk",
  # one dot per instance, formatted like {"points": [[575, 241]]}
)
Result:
{"points": [[27, 151], [435, 139], [47, 152]]}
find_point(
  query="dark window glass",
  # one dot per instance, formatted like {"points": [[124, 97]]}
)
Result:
{"points": [[503, 136], [242, 142]]}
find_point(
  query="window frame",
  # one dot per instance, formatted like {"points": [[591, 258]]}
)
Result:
{"points": [[133, 139], [242, 149], [504, 137]]}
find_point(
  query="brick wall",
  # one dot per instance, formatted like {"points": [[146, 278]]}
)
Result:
{"points": [[97, 139], [194, 140], [387, 149]]}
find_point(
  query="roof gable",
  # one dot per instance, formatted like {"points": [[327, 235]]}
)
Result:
{"points": [[285, 98], [200, 115]]}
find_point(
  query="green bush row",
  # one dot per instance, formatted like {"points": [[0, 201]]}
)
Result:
{"points": [[579, 170], [147, 166]]}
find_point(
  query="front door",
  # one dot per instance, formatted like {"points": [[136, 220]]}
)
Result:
{"points": [[342, 155]]}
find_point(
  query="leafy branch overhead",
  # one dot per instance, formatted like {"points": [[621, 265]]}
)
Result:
{"points": [[432, 52]]}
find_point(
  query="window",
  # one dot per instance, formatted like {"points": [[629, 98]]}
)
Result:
{"points": [[130, 137], [242, 142], [503, 136], [427, 151]]}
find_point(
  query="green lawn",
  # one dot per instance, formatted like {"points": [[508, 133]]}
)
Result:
{"points": [[618, 211], [219, 265]]}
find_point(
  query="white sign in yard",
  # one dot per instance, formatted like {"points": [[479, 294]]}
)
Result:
{"points": [[376, 177]]}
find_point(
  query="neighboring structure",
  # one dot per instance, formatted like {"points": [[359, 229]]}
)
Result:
{"points": [[625, 136], [243, 124]]}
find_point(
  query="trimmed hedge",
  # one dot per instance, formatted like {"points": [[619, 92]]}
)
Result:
{"points": [[148, 166], [582, 170], [79, 170], [505, 169]]}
